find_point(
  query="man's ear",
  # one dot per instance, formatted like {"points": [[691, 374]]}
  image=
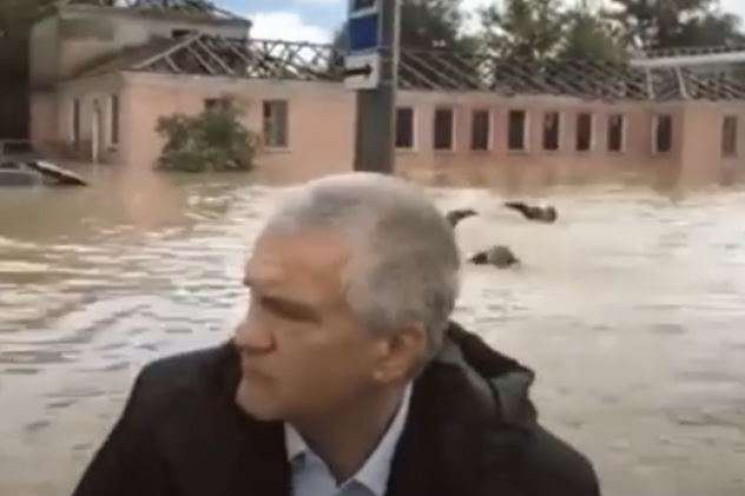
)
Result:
{"points": [[401, 353]]}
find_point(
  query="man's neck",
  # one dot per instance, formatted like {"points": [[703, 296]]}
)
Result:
{"points": [[345, 439]]}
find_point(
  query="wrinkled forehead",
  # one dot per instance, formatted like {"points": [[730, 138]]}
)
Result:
{"points": [[312, 259]]}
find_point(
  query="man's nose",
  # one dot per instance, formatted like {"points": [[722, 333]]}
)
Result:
{"points": [[253, 335]]}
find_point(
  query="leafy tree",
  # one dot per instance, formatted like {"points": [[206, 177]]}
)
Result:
{"points": [[589, 36], [433, 24], [214, 140], [675, 23], [524, 29], [710, 30]]}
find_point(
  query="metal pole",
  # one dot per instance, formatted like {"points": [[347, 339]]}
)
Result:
{"points": [[375, 133]]}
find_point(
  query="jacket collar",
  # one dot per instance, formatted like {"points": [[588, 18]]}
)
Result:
{"points": [[467, 419]]}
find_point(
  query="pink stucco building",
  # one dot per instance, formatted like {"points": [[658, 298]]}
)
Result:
{"points": [[102, 76]]}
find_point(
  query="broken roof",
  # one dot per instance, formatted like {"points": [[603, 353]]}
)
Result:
{"points": [[441, 71], [190, 7], [693, 51]]}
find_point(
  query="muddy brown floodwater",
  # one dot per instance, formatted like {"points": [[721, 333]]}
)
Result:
{"points": [[631, 309]]}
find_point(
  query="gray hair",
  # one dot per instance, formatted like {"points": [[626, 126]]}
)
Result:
{"points": [[405, 265]]}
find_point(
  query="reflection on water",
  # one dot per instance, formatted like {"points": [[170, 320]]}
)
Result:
{"points": [[631, 308]]}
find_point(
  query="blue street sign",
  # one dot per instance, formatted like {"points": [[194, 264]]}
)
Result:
{"points": [[364, 32], [358, 5]]}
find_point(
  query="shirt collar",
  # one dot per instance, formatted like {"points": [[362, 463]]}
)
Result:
{"points": [[377, 468]]}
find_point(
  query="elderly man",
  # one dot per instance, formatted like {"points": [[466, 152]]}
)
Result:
{"points": [[345, 378]]}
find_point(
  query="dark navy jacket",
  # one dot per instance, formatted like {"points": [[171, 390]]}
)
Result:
{"points": [[471, 431]]}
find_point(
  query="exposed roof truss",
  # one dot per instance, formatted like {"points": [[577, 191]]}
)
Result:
{"points": [[445, 71], [254, 59]]}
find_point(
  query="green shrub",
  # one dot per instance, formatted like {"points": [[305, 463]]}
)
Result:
{"points": [[214, 140]]}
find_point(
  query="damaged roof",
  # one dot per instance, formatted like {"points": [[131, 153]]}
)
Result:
{"points": [[190, 7], [694, 51], [441, 71]]}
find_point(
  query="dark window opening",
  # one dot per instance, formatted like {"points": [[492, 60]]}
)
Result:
{"points": [[615, 133], [516, 131], [584, 132], [729, 136], [480, 130], [664, 134], [405, 127], [217, 104], [114, 119], [551, 131], [180, 33], [444, 129], [76, 122]]}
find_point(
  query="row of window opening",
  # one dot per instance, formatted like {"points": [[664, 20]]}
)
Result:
{"points": [[276, 119], [551, 136]]}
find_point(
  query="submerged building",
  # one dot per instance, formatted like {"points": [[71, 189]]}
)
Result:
{"points": [[103, 73]]}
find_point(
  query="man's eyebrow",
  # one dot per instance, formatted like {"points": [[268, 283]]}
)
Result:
{"points": [[292, 309], [285, 306]]}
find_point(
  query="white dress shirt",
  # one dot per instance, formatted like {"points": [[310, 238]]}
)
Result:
{"points": [[312, 477]]}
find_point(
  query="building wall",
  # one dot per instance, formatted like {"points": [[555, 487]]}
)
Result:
{"points": [[44, 53], [44, 132], [320, 120], [534, 166], [703, 158], [321, 132], [94, 95]]}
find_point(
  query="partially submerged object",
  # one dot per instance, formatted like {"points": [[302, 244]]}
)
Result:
{"points": [[18, 174], [22, 165], [33, 172], [56, 173], [499, 256], [455, 216], [547, 214]]}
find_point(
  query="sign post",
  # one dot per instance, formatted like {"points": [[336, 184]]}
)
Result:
{"points": [[371, 68]]}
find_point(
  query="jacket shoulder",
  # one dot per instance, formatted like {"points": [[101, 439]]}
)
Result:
{"points": [[553, 467], [201, 373]]}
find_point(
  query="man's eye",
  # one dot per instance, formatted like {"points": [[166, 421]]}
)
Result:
{"points": [[287, 310]]}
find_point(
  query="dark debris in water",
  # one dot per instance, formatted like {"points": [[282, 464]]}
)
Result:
{"points": [[57, 405], [179, 330], [33, 357], [668, 329], [36, 426], [21, 371], [76, 393]]}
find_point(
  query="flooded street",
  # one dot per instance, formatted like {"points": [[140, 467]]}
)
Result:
{"points": [[631, 309]]}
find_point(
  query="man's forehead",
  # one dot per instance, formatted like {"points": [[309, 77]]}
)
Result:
{"points": [[277, 258], [325, 243]]}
